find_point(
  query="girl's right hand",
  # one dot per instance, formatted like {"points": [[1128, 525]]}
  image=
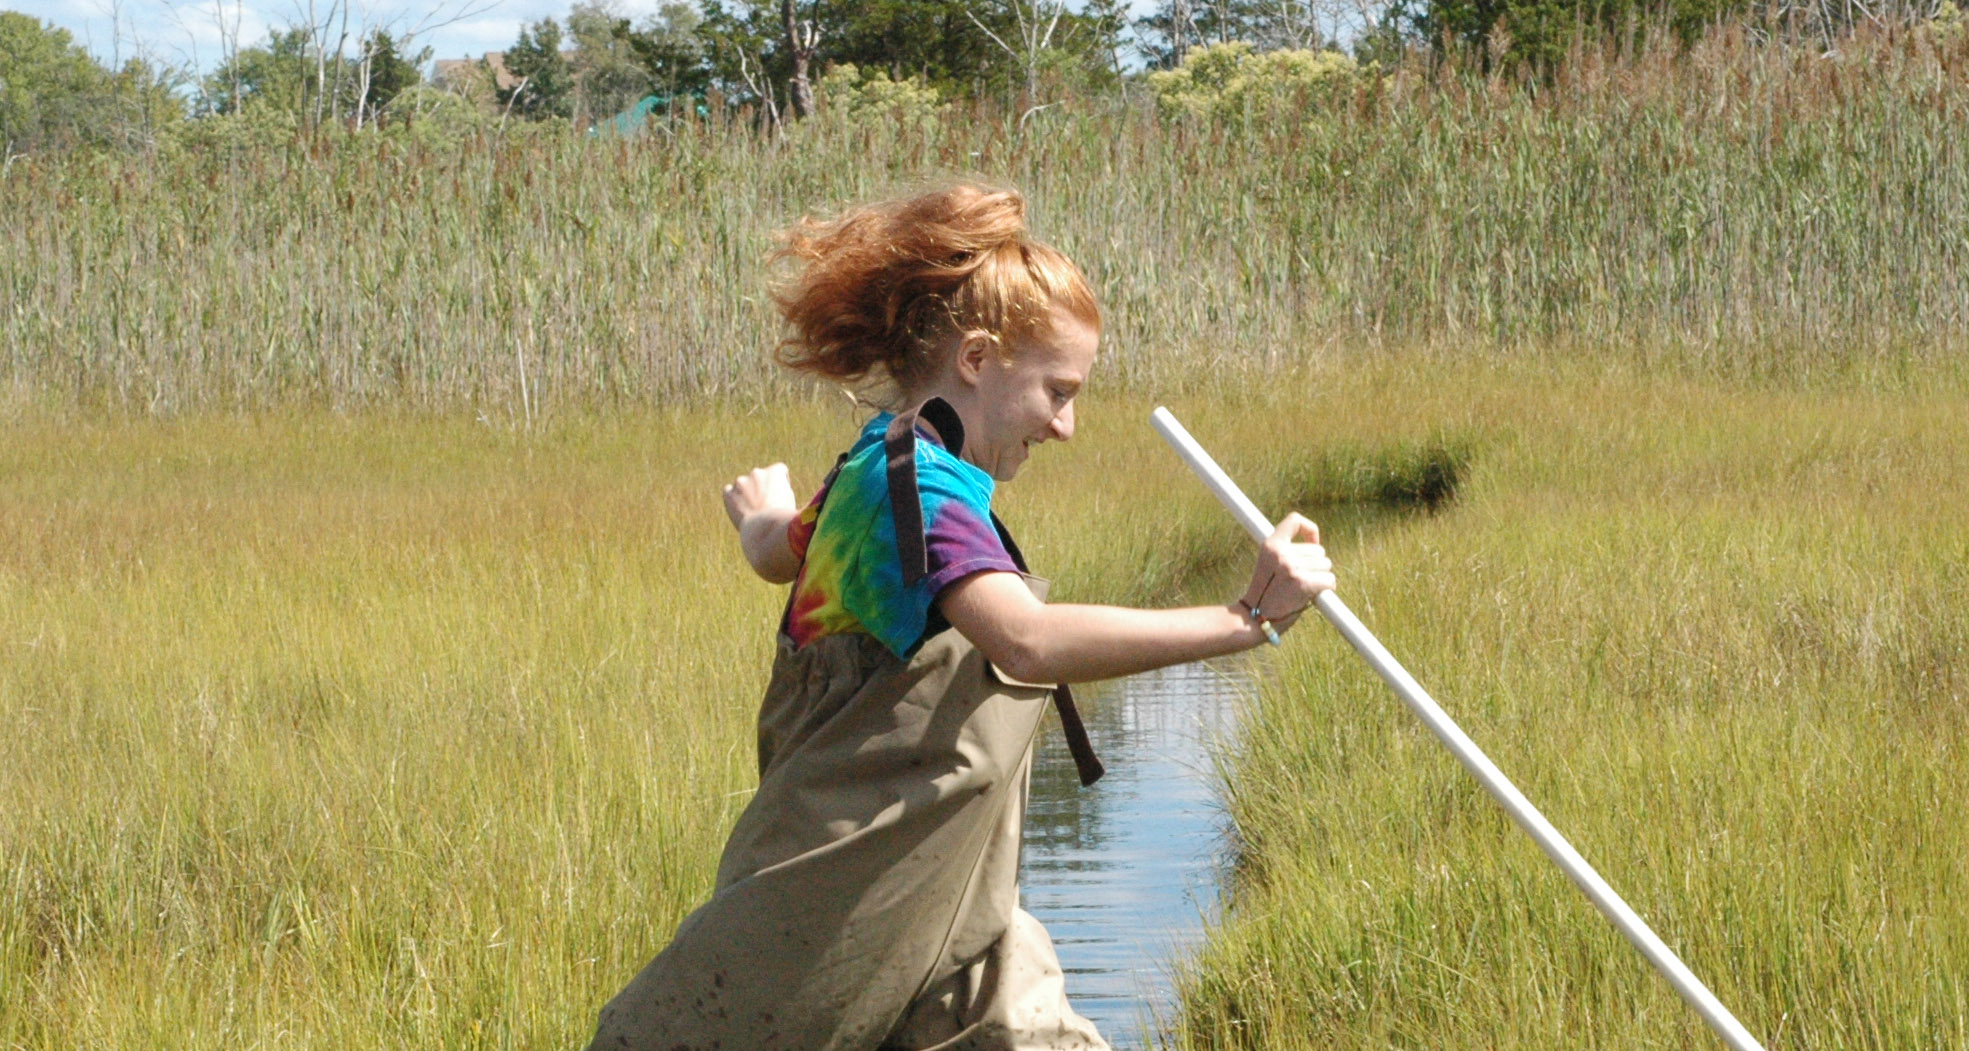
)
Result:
{"points": [[760, 504], [760, 489], [1292, 570]]}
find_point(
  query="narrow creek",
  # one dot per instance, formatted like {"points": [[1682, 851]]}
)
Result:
{"points": [[1124, 875]]}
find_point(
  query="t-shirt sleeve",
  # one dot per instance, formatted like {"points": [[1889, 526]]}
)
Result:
{"points": [[959, 541]]}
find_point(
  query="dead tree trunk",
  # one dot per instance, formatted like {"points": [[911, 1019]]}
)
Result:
{"points": [[800, 40]]}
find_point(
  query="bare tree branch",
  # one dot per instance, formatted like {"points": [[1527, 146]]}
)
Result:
{"points": [[1036, 27]]}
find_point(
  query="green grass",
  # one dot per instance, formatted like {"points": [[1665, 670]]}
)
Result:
{"points": [[1718, 636], [359, 732], [400, 730], [383, 730]]}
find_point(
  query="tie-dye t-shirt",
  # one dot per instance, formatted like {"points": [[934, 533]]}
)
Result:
{"points": [[851, 574]]}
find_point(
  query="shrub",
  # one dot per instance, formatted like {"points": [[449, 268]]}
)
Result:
{"points": [[1234, 78], [255, 129], [1949, 24], [433, 114], [849, 93]]}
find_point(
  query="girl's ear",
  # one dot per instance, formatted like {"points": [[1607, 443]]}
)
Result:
{"points": [[974, 352]]}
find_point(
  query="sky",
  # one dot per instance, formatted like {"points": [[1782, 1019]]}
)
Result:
{"points": [[193, 33]]}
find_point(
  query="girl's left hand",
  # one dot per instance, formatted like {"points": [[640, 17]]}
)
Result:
{"points": [[760, 489], [1292, 570]]}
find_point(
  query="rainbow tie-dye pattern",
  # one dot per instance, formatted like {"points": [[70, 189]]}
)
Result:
{"points": [[851, 574]]}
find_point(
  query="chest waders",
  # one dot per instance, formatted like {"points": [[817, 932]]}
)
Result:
{"points": [[868, 896]]}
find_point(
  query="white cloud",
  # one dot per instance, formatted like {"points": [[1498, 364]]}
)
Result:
{"points": [[472, 38], [215, 27], [195, 33], [188, 33]]}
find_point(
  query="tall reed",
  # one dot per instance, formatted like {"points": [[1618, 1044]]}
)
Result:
{"points": [[1737, 209]]}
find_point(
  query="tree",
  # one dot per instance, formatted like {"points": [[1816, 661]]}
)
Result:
{"points": [[543, 82], [1034, 22], [1107, 20], [608, 73], [674, 53], [146, 102], [1175, 26], [1538, 33], [742, 53], [947, 44], [53, 95], [385, 73], [1045, 40], [802, 36], [280, 74], [937, 40], [50, 88]]}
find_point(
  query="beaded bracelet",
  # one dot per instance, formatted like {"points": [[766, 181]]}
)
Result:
{"points": [[1271, 634]]}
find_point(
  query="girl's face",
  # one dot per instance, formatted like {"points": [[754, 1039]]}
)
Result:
{"points": [[1026, 397]]}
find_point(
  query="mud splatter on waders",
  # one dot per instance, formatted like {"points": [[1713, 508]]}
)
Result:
{"points": [[868, 896]]}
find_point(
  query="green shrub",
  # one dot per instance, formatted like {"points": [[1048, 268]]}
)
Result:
{"points": [[857, 96], [433, 114], [1234, 78], [252, 130], [1948, 25]]}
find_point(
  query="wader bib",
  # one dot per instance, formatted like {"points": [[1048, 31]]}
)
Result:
{"points": [[868, 896]]}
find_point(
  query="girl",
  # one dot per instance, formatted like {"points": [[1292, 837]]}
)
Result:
{"points": [[867, 897]]}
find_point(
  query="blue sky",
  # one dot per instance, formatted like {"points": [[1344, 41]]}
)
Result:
{"points": [[192, 33]]}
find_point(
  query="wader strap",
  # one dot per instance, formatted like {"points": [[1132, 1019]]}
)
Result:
{"points": [[1085, 761], [906, 504], [905, 500]]}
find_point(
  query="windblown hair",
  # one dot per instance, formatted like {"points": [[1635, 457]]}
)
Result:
{"points": [[881, 290]]}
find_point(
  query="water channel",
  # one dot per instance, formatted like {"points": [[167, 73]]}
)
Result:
{"points": [[1125, 874]]}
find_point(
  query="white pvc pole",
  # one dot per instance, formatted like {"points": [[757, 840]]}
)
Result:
{"points": [[1473, 759]]}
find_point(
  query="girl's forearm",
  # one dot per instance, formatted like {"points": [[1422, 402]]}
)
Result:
{"points": [[762, 536], [1075, 643]]}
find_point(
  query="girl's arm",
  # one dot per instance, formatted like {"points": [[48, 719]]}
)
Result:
{"points": [[1033, 641], [761, 505]]}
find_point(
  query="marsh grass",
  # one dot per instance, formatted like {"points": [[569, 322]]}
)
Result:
{"points": [[358, 732], [396, 730], [1718, 636], [406, 730]]}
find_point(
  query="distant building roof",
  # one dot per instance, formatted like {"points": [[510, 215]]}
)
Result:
{"points": [[454, 70]]}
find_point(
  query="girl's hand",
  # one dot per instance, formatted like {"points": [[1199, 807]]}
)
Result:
{"points": [[761, 489], [761, 504], [1292, 570]]}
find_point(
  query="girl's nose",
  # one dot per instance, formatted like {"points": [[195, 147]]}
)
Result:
{"points": [[1063, 423]]}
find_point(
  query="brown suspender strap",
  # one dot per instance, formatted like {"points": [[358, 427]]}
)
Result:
{"points": [[906, 505], [905, 500], [1085, 762]]}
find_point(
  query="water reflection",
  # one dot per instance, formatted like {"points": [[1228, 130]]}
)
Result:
{"points": [[1124, 875]]}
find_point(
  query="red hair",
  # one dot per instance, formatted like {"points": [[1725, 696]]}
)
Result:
{"points": [[882, 289]]}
